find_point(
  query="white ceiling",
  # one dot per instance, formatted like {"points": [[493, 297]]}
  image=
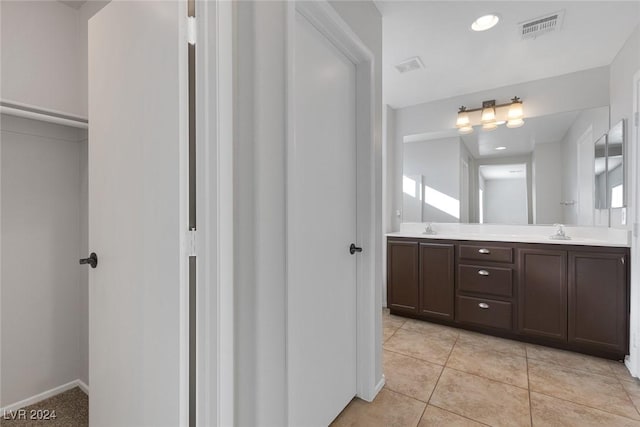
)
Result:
{"points": [[519, 141], [489, 172], [76, 4], [459, 61]]}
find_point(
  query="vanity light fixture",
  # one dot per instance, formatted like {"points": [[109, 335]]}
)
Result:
{"points": [[491, 116], [516, 114], [485, 22]]}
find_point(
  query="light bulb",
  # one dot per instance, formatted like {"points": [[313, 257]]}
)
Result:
{"points": [[485, 22]]}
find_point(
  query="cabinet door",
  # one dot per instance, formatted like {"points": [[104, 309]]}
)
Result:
{"points": [[542, 294], [402, 276], [598, 302], [437, 280]]}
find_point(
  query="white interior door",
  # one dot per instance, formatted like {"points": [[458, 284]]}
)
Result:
{"points": [[321, 318], [137, 212]]}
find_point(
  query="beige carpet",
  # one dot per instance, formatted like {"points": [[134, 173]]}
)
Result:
{"points": [[71, 410]]}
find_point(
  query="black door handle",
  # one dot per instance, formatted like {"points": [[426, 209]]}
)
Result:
{"points": [[353, 249], [92, 260]]}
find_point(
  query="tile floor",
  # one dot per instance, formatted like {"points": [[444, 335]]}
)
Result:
{"points": [[441, 376]]}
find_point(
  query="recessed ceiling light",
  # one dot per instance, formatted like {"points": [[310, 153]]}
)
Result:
{"points": [[485, 22], [501, 148]]}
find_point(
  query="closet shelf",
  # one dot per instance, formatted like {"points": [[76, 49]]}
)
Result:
{"points": [[30, 112]]}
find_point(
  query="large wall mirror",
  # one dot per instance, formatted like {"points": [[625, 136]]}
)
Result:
{"points": [[561, 168]]}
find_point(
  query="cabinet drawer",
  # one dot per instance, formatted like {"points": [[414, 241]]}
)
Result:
{"points": [[486, 280], [487, 253], [485, 312]]}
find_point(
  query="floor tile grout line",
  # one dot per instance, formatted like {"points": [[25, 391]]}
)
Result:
{"points": [[528, 358], [579, 371], [405, 395], [412, 357], [454, 369], [585, 405], [460, 415], [628, 395], [394, 332], [486, 378], [571, 401], [439, 376]]}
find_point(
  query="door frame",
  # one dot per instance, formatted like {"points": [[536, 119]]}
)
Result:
{"points": [[633, 361], [368, 314], [215, 383]]}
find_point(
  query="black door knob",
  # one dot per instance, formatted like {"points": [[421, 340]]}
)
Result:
{"points": [[353, 249], [92, 260]]}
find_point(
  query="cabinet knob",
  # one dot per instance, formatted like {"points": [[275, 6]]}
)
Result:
{"points": [[483, 305], [484, 251], [483, 272]]}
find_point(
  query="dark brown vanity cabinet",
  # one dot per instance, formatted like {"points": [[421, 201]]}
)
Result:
{"points": [[402, 276], [420, 278], [542, 296], [571, 297], [598, 301], [436, 280]]}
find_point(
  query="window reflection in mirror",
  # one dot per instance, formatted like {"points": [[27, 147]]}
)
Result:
{"points": [[600, 170], [615, 166]]}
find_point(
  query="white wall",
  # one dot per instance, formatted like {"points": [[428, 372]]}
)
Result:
{"points": [[87, 10], [42, 307], [438, 161], [49, 39], [570, 92], [40, 55], [505, 201], [260, 200], [547, 174], [622, 70]]}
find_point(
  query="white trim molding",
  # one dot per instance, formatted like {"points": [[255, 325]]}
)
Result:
{"points": [[214, 194], [32, 400], [633, 360]]}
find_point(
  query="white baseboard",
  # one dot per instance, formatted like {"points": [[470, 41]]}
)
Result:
{"points": [[376, 390], [627, 364], [83, 387], [45, 395], [379, 386]]}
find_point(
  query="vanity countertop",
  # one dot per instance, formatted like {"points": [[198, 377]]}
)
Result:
{"points": [[582, 236]]}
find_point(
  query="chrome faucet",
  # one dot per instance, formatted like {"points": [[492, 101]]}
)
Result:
{"points": [[429, 229], [560, 234]]}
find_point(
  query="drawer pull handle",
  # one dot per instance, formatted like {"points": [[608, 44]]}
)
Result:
{"points": [[483, 305], [483, 272], [484, 251]]}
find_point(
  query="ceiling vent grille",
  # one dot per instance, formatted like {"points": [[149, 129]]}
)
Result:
{"points": [[410, 64], [543, 25]]}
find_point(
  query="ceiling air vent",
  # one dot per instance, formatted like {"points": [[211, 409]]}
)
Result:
{"points": [[543, 25], [410, 64]]}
